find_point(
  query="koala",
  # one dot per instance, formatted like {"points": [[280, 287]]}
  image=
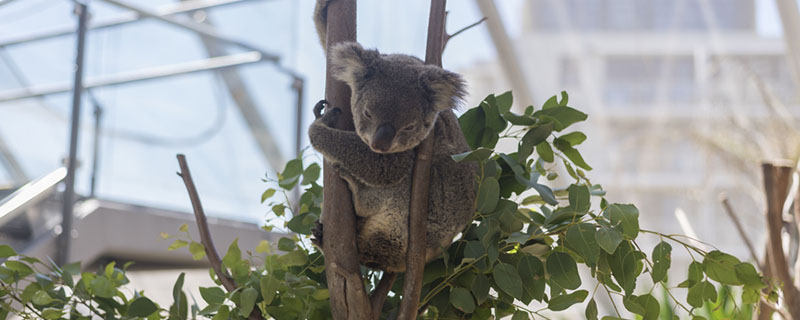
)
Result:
{"points": [[396, 101]]}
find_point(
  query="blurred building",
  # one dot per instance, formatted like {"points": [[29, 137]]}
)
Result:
{"points": [[666, 85]]}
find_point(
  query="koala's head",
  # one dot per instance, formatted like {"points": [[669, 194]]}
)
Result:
{"points": [[395, 98]]}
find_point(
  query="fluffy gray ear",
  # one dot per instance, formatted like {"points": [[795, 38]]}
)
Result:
{"points": [[352, 63], [446, 90]]}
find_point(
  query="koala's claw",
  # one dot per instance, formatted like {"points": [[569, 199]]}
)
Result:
{"points": [[318, 108], [316, 233]]}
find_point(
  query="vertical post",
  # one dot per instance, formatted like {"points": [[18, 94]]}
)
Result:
{"points": [[299, 87], [62, 253], [98, 115], [348, 297]]}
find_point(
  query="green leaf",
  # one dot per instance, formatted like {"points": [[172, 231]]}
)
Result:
{"points": [[626, 216], [591, 310], [504, 102], [41, 298], [623, 266], [479, 154], [571, 153], [291, 174], [695, 272], [520, 315], [177, 293], [321, 294], [197, 250], [562, 117], [564, 99], [748, 275], [750, 295], [492, 113], [267, 194], [579, 198], [473, 126], [488, 195], [721, 267], [247, 301], [480, 288], [507, 278], [701, 292], [545, 152], [462, 299], [293, 259], [608, 239], [581, 237], [531, 271], [263, 247], [574, 138], [311, 174], [269, 287], [177, 244], [645, 305], [519, 120], [286, 244], [661, 261], [233, 256], [22, 269], [52, 313], [563, 270], [6, 251], [565, 301], [550, 103], [213, 295], [142, 307], [223, 314], [537, 135], [103, 288]]}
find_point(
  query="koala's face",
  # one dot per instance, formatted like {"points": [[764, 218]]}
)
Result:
{"points": [[394, 98]]}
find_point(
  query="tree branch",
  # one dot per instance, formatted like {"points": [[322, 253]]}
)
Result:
{"points": [[348, 297], [205, 234], [740, 229], [447, 36], [420, 185], [378, 296], [776, 186]]}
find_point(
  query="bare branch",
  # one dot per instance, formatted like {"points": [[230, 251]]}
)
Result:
{"points": [[448, 36], [740, 229], [205, 234]]}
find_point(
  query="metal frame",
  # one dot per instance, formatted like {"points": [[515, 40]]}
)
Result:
{"points": [[217, 60], [119, 20]]}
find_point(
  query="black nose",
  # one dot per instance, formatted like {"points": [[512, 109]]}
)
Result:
{"points": [[382, 139]]}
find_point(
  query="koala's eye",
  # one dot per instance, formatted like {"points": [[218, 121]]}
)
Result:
{"points": [[367, 114], [409, 128]]}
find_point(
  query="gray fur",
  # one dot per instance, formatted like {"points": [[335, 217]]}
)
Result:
{"points": [[412, 99]]}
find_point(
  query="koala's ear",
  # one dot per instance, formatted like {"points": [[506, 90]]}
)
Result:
{"points": [[352, 63], [445, 89]]}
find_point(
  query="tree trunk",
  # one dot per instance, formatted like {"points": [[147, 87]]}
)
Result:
{"points": [[348, 296]]}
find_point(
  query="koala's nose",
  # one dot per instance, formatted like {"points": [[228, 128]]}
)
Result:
{"points": [[382, 140]]}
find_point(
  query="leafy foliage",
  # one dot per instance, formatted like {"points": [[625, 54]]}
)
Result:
{"points": [[527, 243]]}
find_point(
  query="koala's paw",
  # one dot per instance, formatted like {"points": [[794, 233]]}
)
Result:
{"points": [[330, 116], [316, 233]]}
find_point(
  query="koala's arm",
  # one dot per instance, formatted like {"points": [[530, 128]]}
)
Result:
{"points": [[351, 155], [321, 20]]}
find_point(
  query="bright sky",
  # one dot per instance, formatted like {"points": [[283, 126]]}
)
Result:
{"points": [[227, 167]]}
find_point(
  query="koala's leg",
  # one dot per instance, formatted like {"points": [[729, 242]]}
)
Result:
{"points": [[347, 150], [382, 241]]}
